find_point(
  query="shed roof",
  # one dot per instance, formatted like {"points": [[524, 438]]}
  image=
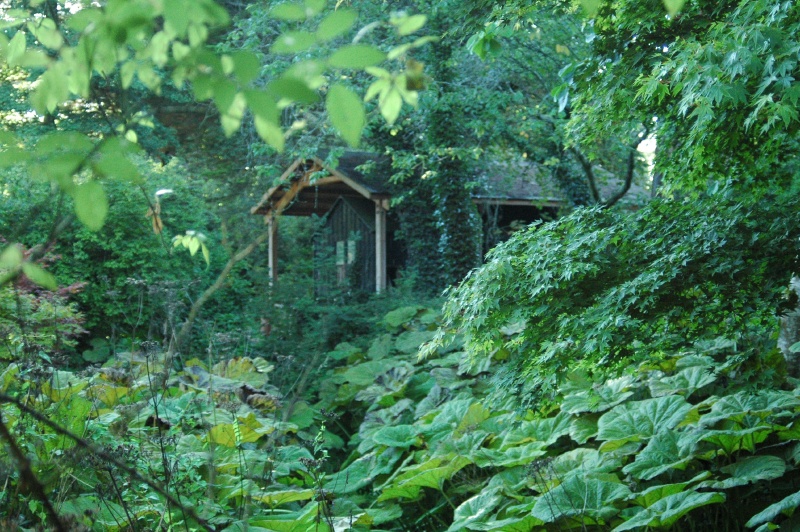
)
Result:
{"points": [[309, 186]]}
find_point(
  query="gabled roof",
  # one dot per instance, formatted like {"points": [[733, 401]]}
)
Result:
{"points": [[309, 186]]}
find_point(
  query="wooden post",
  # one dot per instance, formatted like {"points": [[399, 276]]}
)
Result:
{"points": [[273, 249], [380, 246]]}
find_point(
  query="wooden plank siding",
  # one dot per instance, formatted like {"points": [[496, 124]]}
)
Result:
{"points": [[348, 236]]}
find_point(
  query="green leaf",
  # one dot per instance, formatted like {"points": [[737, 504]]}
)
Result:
{"points": [[356, 56], [336, 24], [598, 398], [47, 33], [39, 276], [430, 474], [770, 513], [50, 92], [390, 104], [674, 6], [292, 42], [476, 509], [406, 25], [580, 496], [749, 470], [366, 373], [91, 204], [665, 451], [410, 341], [346, 112], [270, 132], [774, 403], [314, 7], [112, 163], [278, 498], [362, 472], [402, 316], [583, 428], [293, 12], [246, 66], [591, 7], [11, 257], [510, 457], [665, 512], [642, 419], [262, 105], [293, 89], [16, 49], [685, 382], [402, 436], [176, 16], [651, 495]]}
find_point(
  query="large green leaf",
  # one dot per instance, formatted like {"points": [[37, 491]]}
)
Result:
{"points": [[642, 419], [292, 42], [685, 382], [402, 436], [655, 493], [429, 474], [402, 316], [293, 89], [598, 398], [786, 505], [39, 275], [277, 498], [476, 509], [513, 456], [665, 451], [580, 496], [764, 404], [749, 470], [410, 341], [366, 373], [666, 512], [549, 429], [362, 472], [730, 442]]}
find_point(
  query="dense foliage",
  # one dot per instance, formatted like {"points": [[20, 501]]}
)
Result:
{"points": [[396, 443], [614, 369], [599, 289]]}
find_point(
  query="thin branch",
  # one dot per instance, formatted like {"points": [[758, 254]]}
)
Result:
{"points": [[186, 328], [89, 446], [586, 164], [631, 166], [29, 478]]}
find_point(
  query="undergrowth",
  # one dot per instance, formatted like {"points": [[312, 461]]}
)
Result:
{"points": [[701, 440]]}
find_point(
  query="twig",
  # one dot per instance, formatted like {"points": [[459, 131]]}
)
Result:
{"points": [[29, 478], [81, 442]]}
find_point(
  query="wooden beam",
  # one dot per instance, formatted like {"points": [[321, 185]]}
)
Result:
{"points": [[265, 199], [380, 247], [273, 250]]}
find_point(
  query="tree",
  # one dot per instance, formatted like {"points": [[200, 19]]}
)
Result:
{"points": [[600, 289], [113, 62]]}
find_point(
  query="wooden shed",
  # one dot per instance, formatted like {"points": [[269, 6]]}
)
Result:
{"points": [[359, 232], [355, 205]]}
